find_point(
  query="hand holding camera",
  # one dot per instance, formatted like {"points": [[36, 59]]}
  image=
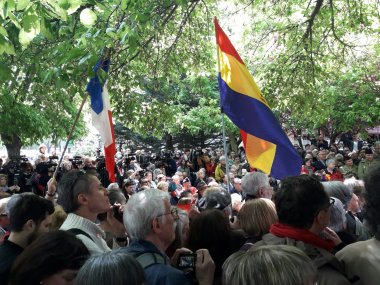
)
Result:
{"points": [[199, 263], [204, 267]]}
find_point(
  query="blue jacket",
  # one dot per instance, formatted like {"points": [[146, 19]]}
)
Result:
{"points": [[157, 273]]}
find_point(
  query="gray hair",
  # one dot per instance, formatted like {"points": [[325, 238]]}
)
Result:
{"points": [[111, 268], [252, 182], [352, 182], [339, 190], [116, 196], [271, 264], [339, 156], [338, 218], [141, 209], [113, 186]]}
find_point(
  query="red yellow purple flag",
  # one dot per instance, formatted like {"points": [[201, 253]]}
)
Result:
{"points": [[266, 145]]}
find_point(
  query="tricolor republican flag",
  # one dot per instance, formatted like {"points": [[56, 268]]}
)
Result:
{"points": [[102, 115], [266, 145]]}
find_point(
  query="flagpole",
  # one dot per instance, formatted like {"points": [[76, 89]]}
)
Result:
{"points": [[106, 53], [70, 134], [225, 151], [223, 126]]}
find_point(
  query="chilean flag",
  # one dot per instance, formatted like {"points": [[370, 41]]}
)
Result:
{"points": [[102, 116]]}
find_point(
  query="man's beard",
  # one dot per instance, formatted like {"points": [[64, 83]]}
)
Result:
{"points": [[33, 236]]}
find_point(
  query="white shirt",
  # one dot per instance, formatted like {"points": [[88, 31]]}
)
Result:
{"points": [[98, 244]]}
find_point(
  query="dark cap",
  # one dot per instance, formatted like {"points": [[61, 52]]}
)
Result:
{"points": [[215, 200], [368, 151]]}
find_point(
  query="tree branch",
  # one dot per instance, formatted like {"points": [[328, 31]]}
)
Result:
{"points": [[333, 26], [168, 17], [312, 17], [183, 23]]}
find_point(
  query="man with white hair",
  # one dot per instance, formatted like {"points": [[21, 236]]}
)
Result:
{"points": [[151, 223], [256, 185]]}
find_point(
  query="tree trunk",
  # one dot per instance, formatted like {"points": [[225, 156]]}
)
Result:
{"points": [[334, 136], [168, 141], [233, 142], [13, 144], [202, 140]]}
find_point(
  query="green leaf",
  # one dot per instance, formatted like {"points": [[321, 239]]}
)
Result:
{"points": [[46, 29], [102, 75], [124, 4], [11, 6], [74, 54], [84, 59], [4, 10], [181, 2], [88, 17], [5, 73], [58, 10], [3, 32], [74, 5], [25, 37], [22, 4], [64, 4], [144, 17], [30, 27], [14, 20], [6, 46]]}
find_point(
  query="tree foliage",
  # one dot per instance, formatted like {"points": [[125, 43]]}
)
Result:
{"points": [[50, 47], [316, 62]]}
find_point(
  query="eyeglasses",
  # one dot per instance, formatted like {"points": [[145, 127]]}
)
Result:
{"points": [[173, 212]]}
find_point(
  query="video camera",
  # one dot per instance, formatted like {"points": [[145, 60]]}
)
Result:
{"points": [[51, 162], [76, 161], [15, 163]]}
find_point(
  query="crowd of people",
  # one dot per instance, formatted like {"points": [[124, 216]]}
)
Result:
{"points": [[193, 217]]}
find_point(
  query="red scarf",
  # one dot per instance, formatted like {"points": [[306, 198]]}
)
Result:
{"points": [[306, 236]]}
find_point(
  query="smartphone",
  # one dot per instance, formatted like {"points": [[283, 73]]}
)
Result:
{"points": [[16, 179], [187, 261]]}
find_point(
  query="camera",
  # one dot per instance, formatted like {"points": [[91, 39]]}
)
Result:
{"points": [[187, 261], [76, 161]]}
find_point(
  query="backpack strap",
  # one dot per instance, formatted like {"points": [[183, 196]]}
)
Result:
{"points": [[147, 259], [76, 232]]}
